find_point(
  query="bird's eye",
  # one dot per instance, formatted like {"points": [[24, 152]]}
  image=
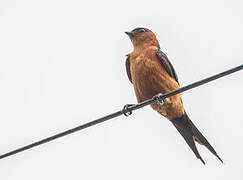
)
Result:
{"points": [[142, 30]]}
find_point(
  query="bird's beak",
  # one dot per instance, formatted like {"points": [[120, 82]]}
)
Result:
{"points": [[130, 34]]}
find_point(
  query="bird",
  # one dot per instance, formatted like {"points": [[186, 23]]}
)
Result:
{"points": [[151, 73]]}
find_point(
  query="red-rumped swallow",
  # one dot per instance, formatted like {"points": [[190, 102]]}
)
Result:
{"points": [[151, 73]]}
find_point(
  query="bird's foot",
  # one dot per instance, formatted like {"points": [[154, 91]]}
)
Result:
{"points": [[126, 111], [158, 99]]}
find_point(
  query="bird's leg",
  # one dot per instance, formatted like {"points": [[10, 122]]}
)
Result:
{"points": [[126, 111], [158, 99]]}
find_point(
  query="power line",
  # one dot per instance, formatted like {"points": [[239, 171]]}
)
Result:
{"points": [[127, 110]]}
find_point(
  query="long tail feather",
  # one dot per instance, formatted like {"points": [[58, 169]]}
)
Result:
{"points": [[191, 134]]}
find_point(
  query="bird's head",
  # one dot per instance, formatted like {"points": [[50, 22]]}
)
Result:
{"points": [[142, 37]]}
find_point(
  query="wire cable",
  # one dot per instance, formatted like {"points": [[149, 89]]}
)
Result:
{"points": [[127, 110]]}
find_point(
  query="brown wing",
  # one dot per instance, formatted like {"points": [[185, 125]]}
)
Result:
{"points": [[128, 68], [164, 61]]}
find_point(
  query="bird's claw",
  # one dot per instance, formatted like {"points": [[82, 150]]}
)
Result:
{"points": [[126, 111], [158, 99]]}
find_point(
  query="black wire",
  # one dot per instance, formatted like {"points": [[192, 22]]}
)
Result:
{"points": [[124, 111], [185, 88]]}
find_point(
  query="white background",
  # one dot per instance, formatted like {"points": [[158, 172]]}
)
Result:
{"points": [[62, 64]]}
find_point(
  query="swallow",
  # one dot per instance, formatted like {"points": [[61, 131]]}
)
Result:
{"points": [[151, 73]]}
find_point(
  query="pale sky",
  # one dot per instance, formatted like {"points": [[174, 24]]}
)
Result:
{"points": [[62, 64]]}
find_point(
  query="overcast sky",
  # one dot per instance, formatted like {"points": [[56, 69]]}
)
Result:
{"points": [[62, 64]]}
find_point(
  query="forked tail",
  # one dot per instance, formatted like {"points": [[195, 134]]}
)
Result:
{"points": [[191, 134]]}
